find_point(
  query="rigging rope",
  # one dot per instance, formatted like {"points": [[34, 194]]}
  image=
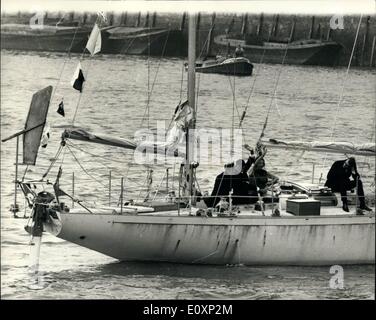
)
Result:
{"points": [[274, 92], [155, 77], [342, 90], [76, 110], [254, 82], [84, 170], [52, 96]]}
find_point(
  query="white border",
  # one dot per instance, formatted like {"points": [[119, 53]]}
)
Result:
{"points": [[317, 7]]}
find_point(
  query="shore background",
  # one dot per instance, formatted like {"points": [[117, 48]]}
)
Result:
{"points": [[321, 28]]}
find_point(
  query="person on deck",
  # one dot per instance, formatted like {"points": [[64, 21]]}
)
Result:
{"points": [[234, 178], [239, 52], [338, 179], [259, 180]]}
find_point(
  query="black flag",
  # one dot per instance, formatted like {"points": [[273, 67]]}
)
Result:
{"points": [[60, 110], [78, 78]]}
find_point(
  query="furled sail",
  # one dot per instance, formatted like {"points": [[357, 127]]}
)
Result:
{"points": [[171, 146], [364, 149], [83, 135], [75, 133], [174, 143]]}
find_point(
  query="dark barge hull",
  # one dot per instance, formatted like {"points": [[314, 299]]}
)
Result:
{"points": [[46, 42], [137, 41], [323, 53], [161, 42]]}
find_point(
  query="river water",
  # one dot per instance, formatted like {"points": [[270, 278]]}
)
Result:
{"points": [[114, 103]]}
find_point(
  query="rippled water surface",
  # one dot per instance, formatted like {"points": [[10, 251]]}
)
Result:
{"points": [[114, 103]]}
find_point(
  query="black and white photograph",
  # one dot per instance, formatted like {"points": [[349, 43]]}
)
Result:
{"points": [[213, 151]]}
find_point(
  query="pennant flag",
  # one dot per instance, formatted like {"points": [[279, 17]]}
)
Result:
{"points": [[78, 78], [94, 43], [45, 136], [60, 110]]}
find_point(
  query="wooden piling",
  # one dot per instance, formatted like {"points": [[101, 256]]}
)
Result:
{"points": [[84, 18], [244, 24], [365, 41], [109, 188], [111, 19], [230, 25], [362, 50], [138, 20], [292, 33], [372, 51], [123, 19], [73, 182], [198, 22], [311, 30], [182, 22], [329, 34], [146, 23], [318, 32], [121, 195], [154, 20], [260, 26], [276, 24]]}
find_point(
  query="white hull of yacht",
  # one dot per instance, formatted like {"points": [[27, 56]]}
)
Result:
{"points": [[256, 240]]}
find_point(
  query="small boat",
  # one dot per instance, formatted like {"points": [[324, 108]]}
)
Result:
{"points": [[235, 66], [238, 66]]}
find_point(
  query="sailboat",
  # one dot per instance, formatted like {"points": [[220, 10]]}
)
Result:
{"points": [[297, 227]]}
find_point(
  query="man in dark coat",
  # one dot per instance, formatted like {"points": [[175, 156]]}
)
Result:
{"points": [[234, 178], [338, 180]]}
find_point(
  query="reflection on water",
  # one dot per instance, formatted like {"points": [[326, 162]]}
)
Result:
{"points": [[113, 103]]}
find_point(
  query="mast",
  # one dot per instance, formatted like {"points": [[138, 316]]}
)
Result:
{"points": [[192, 65], [191, 102]]}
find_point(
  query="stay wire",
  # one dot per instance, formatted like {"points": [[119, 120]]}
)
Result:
{"points": [[155, 77], [343, 87], [84, 170]]}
